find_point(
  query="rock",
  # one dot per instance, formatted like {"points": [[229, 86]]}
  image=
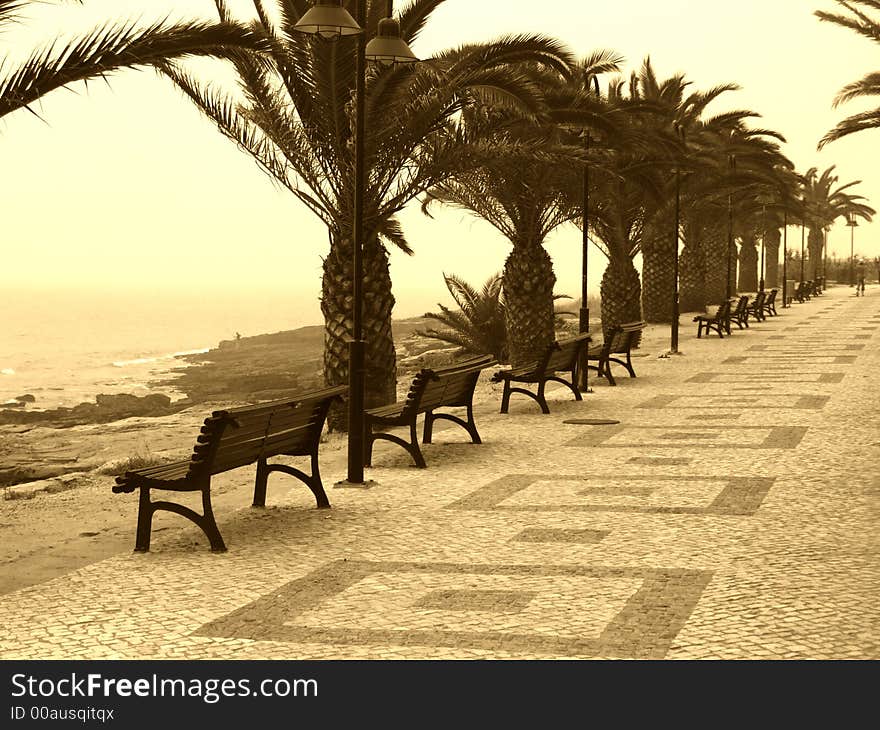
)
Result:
{"points": [[106, 408], [26, 398], [134, 405], [30, 473], [31, 489]]}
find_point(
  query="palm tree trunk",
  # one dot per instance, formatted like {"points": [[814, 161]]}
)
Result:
{"points": [[748, 263], [621, 293], [528, 300], [716, 265], [692, 295], [814, 244], [658, 271], [771, 257], [336, 306]]}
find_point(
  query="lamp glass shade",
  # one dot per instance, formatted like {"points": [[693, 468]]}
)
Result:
{"points": [[329, 20], [388, 47], [852, 222]]}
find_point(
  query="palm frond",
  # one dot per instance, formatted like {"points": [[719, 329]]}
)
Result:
{"points": [[867, 86], [112, 47], [852, 125]]}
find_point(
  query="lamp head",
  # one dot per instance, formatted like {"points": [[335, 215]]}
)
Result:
{"points": [[388, 47], [329, 20]]}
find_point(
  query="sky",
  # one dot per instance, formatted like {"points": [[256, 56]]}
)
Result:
{"points": [[126, 187]]}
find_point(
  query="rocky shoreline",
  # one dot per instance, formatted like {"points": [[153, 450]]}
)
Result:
{"points": [[45, 445]]}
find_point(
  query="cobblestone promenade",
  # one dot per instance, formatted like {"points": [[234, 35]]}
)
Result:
{"points": [[732, 513]]}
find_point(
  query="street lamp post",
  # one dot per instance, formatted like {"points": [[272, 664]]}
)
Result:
{"points": [[852, 223], [675, 238], [824, 258], [784, 258], [331, 21], [731, 164], [803, 234], [763, 236], [584, 321]]}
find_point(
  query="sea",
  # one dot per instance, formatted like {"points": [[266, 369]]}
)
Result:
{"points": [[66, 347]]}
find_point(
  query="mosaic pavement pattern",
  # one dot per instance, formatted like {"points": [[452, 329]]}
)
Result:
{"points": [[730, 514]]}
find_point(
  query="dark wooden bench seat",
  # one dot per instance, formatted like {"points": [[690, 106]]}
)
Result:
{"points": [[756, 308], [622, 339], [449, 387], [769, 305], [230, 439], [740, 313], [719, 322], [560, 356]]}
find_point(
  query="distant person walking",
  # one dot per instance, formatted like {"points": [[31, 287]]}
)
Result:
{"points": [[860, 278]]}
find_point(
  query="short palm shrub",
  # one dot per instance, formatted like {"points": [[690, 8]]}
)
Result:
{"points": [[477, 326]]}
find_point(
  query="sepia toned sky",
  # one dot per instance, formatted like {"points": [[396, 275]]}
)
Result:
{"points": [[125, 186]]}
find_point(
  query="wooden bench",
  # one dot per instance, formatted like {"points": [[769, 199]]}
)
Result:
{"points": [[769, 305], [560, 356], [720, 321], [621, 340], [228, 440], [756, 308], [449, 387], [740, 314]]}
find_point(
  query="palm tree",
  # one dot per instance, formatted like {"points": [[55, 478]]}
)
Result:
{"points": [[683, 112], [625, 193], [111, 47], [522, 193], [477, 327], [823, 203], [862, 23], [294, 116], [747, 164]]}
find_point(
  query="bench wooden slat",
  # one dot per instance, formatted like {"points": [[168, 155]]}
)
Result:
{"points": [[294, 442]]}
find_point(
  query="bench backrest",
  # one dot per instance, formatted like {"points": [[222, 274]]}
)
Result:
{"points": [[240, 436], [771, 297], [723, 312], [449, 386], [759, 300], [741, 306], [624, 337], [453, 385], [562, 354]]}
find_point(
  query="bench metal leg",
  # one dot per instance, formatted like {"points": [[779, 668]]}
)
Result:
{"points": [[428, 431], [505, 397], [209, 524], [469, 425], [144, 521], [412, 448], [261, 483], [206, 521], [542, 401], [312, 481], [629, 365]]}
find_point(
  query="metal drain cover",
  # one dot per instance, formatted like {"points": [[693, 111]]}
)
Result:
{"points": [[591, 422]]}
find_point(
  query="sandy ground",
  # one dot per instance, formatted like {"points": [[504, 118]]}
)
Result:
{"points": [[51, 527]]}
